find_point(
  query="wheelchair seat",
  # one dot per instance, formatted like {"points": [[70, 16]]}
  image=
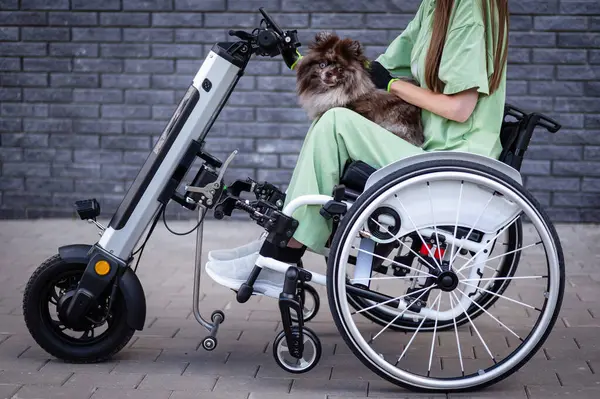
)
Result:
{"points": [[515, 136]]}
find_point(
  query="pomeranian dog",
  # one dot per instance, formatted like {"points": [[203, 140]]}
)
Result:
{"points": [[334, 74]]}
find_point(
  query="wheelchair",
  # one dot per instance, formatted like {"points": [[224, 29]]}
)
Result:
{"points": [[444, 273]]}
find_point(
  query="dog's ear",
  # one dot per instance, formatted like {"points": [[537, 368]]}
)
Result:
{"points": [[323, 36], [355, 47]]}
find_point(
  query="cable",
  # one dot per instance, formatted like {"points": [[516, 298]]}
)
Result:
{"points": [[180, 234]]}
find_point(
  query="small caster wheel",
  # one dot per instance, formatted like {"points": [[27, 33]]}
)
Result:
{"points": [[310, 304], [310, 356], [209, 343], [216, 314]]}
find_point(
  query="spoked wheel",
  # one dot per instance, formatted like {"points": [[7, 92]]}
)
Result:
{"points": [[514, 319], [100, 335], [505, 253]]}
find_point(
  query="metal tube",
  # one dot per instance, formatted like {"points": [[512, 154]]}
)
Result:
{"points": [[198, 271]]}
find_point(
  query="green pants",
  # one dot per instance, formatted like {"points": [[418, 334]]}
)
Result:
{"points": [[338, 136]]}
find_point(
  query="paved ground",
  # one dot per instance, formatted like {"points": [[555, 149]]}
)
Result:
{"points": [[164, 361]]}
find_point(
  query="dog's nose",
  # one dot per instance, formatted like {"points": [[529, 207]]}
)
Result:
{"points": [[328, 74]]}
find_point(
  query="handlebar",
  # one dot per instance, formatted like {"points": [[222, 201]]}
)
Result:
{"points": [[270, 22], [534, 119]]}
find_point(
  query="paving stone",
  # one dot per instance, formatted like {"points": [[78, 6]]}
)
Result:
{"points": [[34, 378], [347, 388], [7, 390], [131, 366], [177, 382], [254, 385], [89, 381], [32, 392], [542, 392], [112, 393]]}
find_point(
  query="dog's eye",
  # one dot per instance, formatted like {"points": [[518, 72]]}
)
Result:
{"points": [[340, 69], [323, 65]]}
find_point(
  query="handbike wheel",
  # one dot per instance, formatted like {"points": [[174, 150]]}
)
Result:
{"points": [[507, 334], [98, 337]]}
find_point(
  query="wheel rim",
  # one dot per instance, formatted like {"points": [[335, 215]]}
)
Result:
{"points": [[502, 363], [294, 364], [96, 328]]}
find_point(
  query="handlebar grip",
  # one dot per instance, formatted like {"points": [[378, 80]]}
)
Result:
{"points": [[515, 112], [551, 125]]}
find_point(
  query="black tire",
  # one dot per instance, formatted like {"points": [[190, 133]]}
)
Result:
{"points": [[46, 333], [310, 290], [395, 178], [311, 337], [507, 268]]}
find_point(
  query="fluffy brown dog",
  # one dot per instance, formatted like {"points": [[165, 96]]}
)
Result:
{"points": [[334, 74]]}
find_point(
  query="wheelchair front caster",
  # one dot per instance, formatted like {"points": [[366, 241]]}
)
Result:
{"points": [[310, 303], [209, 343], [217, 317], [310, 354]]}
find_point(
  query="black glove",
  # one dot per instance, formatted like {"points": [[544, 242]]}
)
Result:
{"points": [[291, 57], [380, 76]]}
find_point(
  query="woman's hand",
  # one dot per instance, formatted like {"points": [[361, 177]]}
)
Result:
{"points": [[456, 107], [380, 76]]}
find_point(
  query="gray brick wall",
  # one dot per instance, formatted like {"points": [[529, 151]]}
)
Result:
{"points": [[86, 86]]}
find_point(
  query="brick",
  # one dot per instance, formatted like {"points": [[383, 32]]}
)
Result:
{"points": [[14, 184], [554, 152], [534, 7], [380, 21], [587, 168], [171, 82], [276, 83], [235, 114], [591, 184], [520, 22], [20, 18], [579, 7], [289, 20], [171, 382], [559, 56], [38, 34], [22, 109], [74, 49], [200, 35], [10, 94], [23, 201], [592, 121], [592, 89], [74, 111], [279, 146], [179, 51], [530, 167], [98, 126], [73, 18], [125, 19], [46, 64], [97, 65], [96, 34], [47, 154], [149, 5], [149, 97], [530, 72], [44, 4], [23, 140], [577, 105], [99, 186], [177, 20], [23, 79], [591, 153], [10, 125], [594, 56], [156, 35], [47, 95], [585, 40], [576, 200], [553, 183], [25, 169], [9, 34], [10, 64], [557, 88], [46, 125], [332, 20], [230, 144], [37, 185], [150, 66], [73, 141], [205, 5], [123, 172], [11, 154], [144, 127], [22, 49], [560, 23], [126, 111], [264, 99], [532, 39], [97, 156], [231, 21], [576, 136], [125, 142], [125, 50], [517, 87], [594, 23], [576, 72], [73, 80], [97, 5], [9, 4], [126, 81], [75, 170]]}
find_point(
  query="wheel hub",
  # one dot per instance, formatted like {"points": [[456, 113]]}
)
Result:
{"points": [[447, 281], [61, 309]]}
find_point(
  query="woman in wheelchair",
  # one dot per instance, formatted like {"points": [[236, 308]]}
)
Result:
{"points": [[462, 75]]}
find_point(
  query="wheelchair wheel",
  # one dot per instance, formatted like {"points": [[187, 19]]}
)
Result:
{"points": [[505, 250], [450, 206]]}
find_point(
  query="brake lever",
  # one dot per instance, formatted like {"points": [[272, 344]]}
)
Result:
{"points": [[211, 189]]}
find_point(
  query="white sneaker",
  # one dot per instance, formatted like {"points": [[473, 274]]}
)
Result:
{"points": [[231, 268]]}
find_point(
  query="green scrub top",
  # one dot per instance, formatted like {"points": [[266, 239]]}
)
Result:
{"points": [[463, 66]]}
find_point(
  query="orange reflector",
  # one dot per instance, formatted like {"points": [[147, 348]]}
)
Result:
{"points": [[102, 268]]}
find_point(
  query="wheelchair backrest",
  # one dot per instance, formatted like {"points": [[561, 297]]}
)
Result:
{"points": [[515, 135]]}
